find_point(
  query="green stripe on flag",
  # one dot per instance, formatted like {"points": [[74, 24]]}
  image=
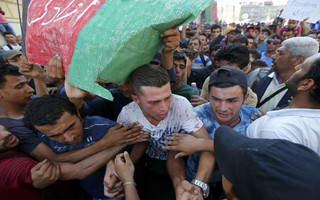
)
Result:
{"points": [[123, 35]]}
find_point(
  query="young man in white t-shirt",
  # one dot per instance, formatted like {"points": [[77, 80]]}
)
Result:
{"points": [[162, 113]]}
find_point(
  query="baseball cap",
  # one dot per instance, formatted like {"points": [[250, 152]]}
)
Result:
{"points": [[267, 168], [251, 27], [11, 54], [228, 75]]}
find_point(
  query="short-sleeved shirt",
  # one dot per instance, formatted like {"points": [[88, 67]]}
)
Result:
{"points": [[28, 138], [198, 64], [205, 114], [298, 125], [180, 118], [94, 128], [267, 60]]}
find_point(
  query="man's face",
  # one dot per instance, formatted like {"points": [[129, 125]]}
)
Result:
{"points": [[194, 45], [262, 36], [232, 35], [203, 40], [15, 61], [154, 102], [180, 67], [281, 60], [252, 32], [207, 31], [67, 130], [226, 104], [292, 23], [287, 35], [10, 38], [250, 43], [8, 141], [16, 91], [301, 70], [273, 44], [215, 33]]}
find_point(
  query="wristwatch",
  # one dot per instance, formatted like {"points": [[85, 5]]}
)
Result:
{"points": [[204, 187]]}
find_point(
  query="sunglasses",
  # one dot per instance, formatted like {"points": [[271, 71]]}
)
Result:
{"points": [[275, 42]]}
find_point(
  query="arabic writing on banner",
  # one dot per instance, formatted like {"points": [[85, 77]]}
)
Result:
{"points": [[102, 40], [301, 9]]}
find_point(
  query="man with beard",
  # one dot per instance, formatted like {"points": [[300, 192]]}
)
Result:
{"points": [[299, 122], [271, 90], [20, 176]]}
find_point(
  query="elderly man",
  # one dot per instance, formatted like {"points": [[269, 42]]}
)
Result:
{"points": [[299, 122], [271, 90]]}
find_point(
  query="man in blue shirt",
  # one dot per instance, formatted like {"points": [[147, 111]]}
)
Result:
{"points": [[61, 128], [228, 91]]}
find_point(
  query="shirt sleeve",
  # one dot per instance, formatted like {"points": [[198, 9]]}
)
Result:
{"points": [[15, 172]]}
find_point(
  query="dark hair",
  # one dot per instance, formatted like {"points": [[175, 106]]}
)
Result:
{"points": [[234, 54], [276, 36], [7, 33], [195, 38], [288, 30], [179, 56], [203, 34], [148, 75], [250, 37], [215, 26], [313, 31], [5, 70], [190, 54], [272, 28], [48, 109], [258, 63], [314, 74], [214, 47], [265, 30], [240, 38], [255, 54]]}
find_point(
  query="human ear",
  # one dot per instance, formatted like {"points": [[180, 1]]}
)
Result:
{"points": [[135, 98]]}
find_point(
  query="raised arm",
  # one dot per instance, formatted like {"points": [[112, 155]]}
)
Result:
{"points": [[170, 39]]}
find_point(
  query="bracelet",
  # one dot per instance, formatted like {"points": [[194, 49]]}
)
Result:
{"points": [[129, 183]]}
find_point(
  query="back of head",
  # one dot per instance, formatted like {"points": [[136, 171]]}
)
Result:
{"points": [[5, 70], [301, 46], [148, 75], [190, 54], [234, 54], [240, 39], [258, 63], [48, 109], [255, 54], [267, 168]]}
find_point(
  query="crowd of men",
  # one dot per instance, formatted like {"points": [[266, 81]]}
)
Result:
{"points": [[251, 132]]}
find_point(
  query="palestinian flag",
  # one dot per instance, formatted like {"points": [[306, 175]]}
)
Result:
{"points": [[102, 40]]}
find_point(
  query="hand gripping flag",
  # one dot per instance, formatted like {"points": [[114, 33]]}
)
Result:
{"points": [[102, 40]]}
